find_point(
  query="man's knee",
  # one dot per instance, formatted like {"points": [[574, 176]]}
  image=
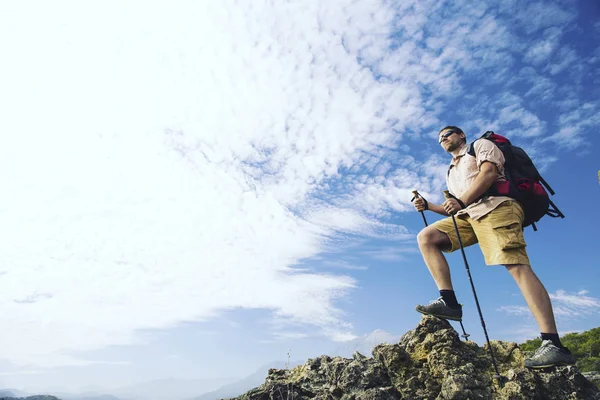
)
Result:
{"points": [[430, 236], [519, 270]]}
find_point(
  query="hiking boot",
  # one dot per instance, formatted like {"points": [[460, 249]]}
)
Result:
{"points": [[438, 308], [548, 355]]}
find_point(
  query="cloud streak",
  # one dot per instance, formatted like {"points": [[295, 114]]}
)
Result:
{"points": [[186, 182], [573, 306]]}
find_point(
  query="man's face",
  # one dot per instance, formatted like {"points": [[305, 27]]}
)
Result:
{"points": [[450, 140]]}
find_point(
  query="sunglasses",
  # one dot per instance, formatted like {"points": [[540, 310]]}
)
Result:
{"points": [[445, 135]]}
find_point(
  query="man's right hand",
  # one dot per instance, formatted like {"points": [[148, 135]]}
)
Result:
{"points": [[419, 204]]}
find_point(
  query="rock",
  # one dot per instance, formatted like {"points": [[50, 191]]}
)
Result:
{"points": [[429, 362]]}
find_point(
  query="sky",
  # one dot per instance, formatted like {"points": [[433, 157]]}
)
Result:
{"points": [[193, 189]]}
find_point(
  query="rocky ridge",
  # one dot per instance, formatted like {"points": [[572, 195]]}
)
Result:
{"points": [[429, 362]]}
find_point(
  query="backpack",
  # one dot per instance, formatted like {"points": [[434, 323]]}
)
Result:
{"points": [[523, 181]]}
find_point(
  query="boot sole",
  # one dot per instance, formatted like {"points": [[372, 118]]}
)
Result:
{"points": [[550, 366], [440, 316]]}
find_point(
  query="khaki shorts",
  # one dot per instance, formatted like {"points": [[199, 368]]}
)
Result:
{"points": [[499, 233]]}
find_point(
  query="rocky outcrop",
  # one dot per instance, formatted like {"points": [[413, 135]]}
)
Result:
{"points": [[429, 362]]}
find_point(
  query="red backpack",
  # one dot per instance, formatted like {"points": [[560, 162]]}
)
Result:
{"points": [[524, 183]]}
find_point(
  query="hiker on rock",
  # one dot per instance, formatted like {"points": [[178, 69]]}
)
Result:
{"points": [[496, 223]]}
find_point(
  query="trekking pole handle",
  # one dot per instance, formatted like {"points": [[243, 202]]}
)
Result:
{"points": [[416, 195], [447, 194]]}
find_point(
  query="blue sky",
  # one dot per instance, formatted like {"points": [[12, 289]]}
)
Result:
{"points": [[228, 181]]}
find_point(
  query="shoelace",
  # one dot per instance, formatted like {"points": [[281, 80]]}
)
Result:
{"points": [[439, 300], [542, 350]]}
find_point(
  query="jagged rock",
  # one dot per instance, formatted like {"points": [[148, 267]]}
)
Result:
{"points": [[429, 362]]}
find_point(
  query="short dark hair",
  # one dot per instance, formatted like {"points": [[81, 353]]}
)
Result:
{"points": [[453, 128]]}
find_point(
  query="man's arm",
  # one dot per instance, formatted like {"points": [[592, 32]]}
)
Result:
{"points": [[438, 209], [420, 206], [488, 174]]}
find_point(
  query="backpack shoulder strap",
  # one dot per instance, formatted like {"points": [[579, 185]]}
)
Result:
{"points": [[471, 148]]}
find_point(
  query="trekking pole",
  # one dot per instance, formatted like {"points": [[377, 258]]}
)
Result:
{"points": [[447, 195], [416, 195]]}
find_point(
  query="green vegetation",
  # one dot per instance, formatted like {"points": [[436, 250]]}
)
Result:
{"points": [[585, 347]]}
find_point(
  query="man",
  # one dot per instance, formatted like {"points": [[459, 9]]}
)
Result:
{"points": [[495, 222]]}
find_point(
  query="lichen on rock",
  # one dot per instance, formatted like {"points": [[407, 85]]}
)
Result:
{"points": [[429, 362]]}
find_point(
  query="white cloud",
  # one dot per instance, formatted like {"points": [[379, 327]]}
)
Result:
{"points": [[341, 264], [389, 253], [575, 122], [349, 221], [565, 58], [116, 227], [541, 49], [574, 305], [542, 14], [541, 88], [539, 52], [577, 305], [529, 124], [515, 310]]}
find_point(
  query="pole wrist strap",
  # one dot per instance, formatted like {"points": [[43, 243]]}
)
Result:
{"points": [[426, 203]]}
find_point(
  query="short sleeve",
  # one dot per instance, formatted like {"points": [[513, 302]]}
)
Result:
{"points": [[486, 150]]}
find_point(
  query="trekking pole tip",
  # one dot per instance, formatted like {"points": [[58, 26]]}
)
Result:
{"points": [[499, 380]]}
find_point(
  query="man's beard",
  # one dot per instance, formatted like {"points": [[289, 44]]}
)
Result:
{"points": [[453, 146]]}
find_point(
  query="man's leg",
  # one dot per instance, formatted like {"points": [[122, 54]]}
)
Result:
{"points": [[535, 295], [431, 242], [551, 352]]}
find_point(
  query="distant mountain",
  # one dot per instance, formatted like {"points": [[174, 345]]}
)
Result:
{"points": [[84, 396], [363, 344], [6, 393], [168, 389], [210, 389], [36, 397], [14, 393], [161, 389], [251, 381]]}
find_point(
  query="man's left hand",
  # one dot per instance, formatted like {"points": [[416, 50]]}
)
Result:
{"points": [[452, 206]]}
